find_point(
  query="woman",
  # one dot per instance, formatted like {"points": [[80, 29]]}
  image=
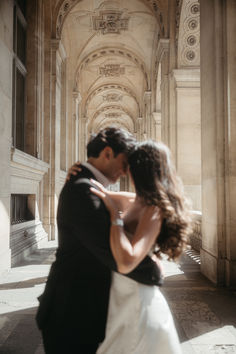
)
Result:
{"points": [[154, 220]]}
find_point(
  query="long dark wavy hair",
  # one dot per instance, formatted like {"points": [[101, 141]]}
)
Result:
{"points": [[157, 183]]}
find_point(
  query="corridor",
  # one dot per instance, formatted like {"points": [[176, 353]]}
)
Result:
{"points": [[205, 316]]}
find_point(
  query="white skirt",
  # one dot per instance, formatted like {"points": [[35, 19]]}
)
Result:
{"points": [[139, 320]]}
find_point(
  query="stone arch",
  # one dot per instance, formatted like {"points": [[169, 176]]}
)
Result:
{"points": [[64, 7], [129, 124], [110, 122], [121, 52], [158, 89], [112, 107], [109, 86]]}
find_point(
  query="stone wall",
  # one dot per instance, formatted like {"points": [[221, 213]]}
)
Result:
{"points": [[6, 44]]}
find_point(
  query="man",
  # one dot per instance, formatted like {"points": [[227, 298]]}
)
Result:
{"points": [[73, 309]]}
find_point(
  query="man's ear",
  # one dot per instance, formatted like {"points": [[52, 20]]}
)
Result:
{"points": [[108, 152]]}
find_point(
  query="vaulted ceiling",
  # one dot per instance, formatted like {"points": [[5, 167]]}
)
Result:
{"points": [[110, 47]]}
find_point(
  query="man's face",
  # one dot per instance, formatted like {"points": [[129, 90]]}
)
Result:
{"points": [[116, 167]]}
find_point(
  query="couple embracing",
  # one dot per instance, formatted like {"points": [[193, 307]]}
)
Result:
{"points": [[102, 295]]}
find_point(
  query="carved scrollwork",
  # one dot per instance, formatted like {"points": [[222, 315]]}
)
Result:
{"points": [[112, 22], [111, 70], [112, 97]]}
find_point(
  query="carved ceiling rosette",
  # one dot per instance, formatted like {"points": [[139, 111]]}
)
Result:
{"points": [[189, 34], [108, 21]]}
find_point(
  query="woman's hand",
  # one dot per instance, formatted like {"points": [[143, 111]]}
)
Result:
{"points": [[73, 170], [104, 194]]}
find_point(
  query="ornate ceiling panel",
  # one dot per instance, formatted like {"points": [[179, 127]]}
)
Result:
{"points": [[158, 8], [121, 91], [109, 47], [113, 70]]}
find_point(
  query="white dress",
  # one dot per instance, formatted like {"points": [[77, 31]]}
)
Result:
{"points": [[139, 320]]}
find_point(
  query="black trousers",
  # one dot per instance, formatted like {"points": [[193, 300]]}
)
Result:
{"points": [[56, 341]]}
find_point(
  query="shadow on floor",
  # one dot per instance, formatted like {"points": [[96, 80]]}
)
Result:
{"points": [[19, 333], [200, 308], [39, 256], [23, 284]]}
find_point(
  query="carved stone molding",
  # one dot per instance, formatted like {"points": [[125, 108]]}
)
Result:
{"points": [[77, 96], [107, 87], [115, 122], [157, 117], [111, 70], [147, 96], [67, 5], [116, 52], [186, 77], [189, 34], [113, 115], [112, 97], [162, 48], [178, 11], [112, 108], [110, 22]]}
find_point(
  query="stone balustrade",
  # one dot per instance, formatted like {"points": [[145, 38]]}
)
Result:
{"points": [[195, 239]]}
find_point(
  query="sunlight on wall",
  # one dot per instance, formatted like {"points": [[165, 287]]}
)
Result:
{"points": [[5, 225]]}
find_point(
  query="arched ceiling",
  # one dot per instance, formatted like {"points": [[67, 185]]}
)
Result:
{"points": [[109, 47], [159, 9]]}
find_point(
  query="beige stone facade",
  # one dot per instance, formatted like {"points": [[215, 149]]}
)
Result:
{"points": [[137, 64]]}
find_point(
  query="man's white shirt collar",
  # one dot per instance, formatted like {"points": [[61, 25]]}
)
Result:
{"points": [[99, 175]]}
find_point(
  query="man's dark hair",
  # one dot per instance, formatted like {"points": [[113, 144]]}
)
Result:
{"points": [[118, 139]]}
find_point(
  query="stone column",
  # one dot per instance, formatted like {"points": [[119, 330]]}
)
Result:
{"points": [[34, 82], [230, 155], [157, 125], [52, 154], [139, 125], [6, 45], [83, 122], [218, 111], [188, 132], [148, 114], [163, 59], [76, 101], [64, 117]]}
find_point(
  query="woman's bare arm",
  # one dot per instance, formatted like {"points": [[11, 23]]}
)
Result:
{"points": [[122, 199], [128, 254]]}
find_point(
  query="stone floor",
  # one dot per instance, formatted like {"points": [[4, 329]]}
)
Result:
{"points": [[205, 316]]}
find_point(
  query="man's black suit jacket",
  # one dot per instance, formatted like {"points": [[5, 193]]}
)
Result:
{"points": [[77, 291]]}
